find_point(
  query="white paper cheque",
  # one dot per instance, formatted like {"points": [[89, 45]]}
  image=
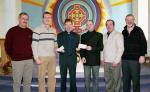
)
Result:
{"points": [[82, 46]]}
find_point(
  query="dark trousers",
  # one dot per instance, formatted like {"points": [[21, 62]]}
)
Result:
{"points": [[131, 72], [70, 65]]}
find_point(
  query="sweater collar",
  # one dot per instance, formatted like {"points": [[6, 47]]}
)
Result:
{"points": [[45, 27], [92, 31], [126, 27]]}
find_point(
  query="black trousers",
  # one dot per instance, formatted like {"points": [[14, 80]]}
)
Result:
{"points": [[131, 72], [68, 64]]}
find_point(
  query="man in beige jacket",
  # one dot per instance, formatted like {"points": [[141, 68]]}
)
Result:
{"points": [[111, 57]]}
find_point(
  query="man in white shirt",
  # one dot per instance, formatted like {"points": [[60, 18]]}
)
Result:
{"points": [[111, 57]]}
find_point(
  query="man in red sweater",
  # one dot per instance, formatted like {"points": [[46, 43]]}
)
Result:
{"points": [[18, 47]]}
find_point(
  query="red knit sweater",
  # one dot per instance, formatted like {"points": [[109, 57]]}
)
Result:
{"points": [[18, 43]]}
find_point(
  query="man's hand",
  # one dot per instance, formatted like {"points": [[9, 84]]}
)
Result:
{"points": [[38, 61], [142, 59], [61, 49], [78, 49], [115, 64], [89, 48], [102, 62], [83, 60]]}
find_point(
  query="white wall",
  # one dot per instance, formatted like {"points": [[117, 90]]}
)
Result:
{"points": [[148, 27], [9, 11], [2, 19], [143, 16], [135, 9]]}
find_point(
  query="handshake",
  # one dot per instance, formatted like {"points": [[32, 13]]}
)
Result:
{"points": [[80, 46]]}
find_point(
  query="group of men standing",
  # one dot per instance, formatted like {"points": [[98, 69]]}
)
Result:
{"points": [[113, 50]]}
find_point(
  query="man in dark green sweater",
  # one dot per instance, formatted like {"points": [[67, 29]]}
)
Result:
{"points": [[91, 56]]}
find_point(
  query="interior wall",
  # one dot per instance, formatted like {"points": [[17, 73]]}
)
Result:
{"points": [[149, 27], [9, 15], [135, 9], [9, 11], [135, 12], [2, 17]]}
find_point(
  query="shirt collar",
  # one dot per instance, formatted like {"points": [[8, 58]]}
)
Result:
{"points": [[44, 26]]}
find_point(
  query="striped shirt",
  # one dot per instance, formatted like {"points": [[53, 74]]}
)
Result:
{"points": [[43, 41]]}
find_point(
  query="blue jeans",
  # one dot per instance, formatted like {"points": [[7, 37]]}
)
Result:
{"points": [[94, 80]]}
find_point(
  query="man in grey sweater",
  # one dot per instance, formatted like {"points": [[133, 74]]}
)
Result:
{"points": [[43, 46]]}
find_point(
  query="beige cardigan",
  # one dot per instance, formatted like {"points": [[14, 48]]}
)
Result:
{"points": [[113, 47]]}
